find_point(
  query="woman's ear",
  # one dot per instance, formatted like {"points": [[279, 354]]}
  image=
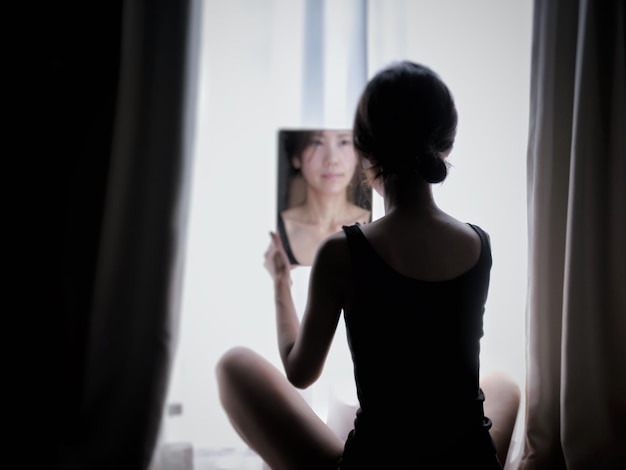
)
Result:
{"points": [[296, 162], [366, 164], [444, 155], [371, 175]]}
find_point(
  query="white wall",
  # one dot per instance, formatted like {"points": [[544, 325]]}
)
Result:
{"points": [[251, 87]]}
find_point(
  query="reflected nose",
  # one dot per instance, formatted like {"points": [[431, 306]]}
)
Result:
{"points": [[331, 156]]}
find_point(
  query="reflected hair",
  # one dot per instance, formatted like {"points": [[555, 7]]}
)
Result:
{"points": [[405, 119], [294, 143]]}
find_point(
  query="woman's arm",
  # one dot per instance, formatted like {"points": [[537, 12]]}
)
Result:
{"points": [[287, 322], [303, 347]]}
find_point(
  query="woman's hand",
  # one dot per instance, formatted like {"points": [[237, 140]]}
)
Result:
{"points": [[276, 260]]}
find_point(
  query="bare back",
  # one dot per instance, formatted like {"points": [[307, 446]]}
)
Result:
{"points": [[433, 248]]}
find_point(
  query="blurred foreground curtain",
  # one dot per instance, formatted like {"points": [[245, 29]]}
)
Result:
{"points": [[576, 318], [125, 142]]}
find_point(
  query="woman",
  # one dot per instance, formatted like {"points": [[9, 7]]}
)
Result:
{"points": [[412, 286], [326, 161]]}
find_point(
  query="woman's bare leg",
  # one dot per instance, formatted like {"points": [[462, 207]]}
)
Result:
{"points": [[341, 415], [502, 400], [271, 416]]}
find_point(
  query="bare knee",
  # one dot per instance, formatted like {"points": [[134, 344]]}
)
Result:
{"points": [[233, 358], [501, 390], [502, 401], [233, 364]]}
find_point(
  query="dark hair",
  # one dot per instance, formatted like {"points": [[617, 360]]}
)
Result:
{"points": [[405, 119], [294, 144]]}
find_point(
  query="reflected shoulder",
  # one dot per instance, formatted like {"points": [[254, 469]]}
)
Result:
{"points": [[293, 213], [360, 215]]}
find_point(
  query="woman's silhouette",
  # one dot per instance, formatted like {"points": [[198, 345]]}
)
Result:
{"points": [[412, 287]]}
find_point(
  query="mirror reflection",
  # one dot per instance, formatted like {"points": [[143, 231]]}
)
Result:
{"points": [[320, 189]]}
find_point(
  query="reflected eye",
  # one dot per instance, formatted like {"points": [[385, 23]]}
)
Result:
{"points": [[345, 142], [316, 142]]}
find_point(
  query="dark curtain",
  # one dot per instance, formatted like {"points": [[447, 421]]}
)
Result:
{"points": [[112, 89], [576, 311]]}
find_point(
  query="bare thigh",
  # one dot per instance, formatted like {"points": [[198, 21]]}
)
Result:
{"points": [[271, 416], [502, 400]]}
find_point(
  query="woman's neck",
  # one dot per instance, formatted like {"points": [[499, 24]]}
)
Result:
{"points": [[416, 200], [325, 211]]}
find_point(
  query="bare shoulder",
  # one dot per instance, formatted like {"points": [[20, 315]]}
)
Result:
{"points": [[332, 256], [330, 270], [456, 247], [461, 240], [333, 249], [431, 248], [457, 230]]}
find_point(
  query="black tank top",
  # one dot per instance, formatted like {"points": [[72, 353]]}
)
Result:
{"points": [[415, 348]]}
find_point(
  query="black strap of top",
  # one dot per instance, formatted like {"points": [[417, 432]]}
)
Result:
{"points": [[357, 243], [486, 244], [283, 236]]}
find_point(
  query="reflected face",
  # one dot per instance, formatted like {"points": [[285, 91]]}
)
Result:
{"points": [[328, 161]]}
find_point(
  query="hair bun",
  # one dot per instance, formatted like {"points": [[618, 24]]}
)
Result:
{"points": [[432, 168]]}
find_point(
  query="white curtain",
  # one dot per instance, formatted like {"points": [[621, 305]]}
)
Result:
{"points": [[274, 64], [266, 65], [576, 318]]}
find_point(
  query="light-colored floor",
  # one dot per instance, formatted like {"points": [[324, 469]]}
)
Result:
{"points": [[181, 456], [226, 459]]}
